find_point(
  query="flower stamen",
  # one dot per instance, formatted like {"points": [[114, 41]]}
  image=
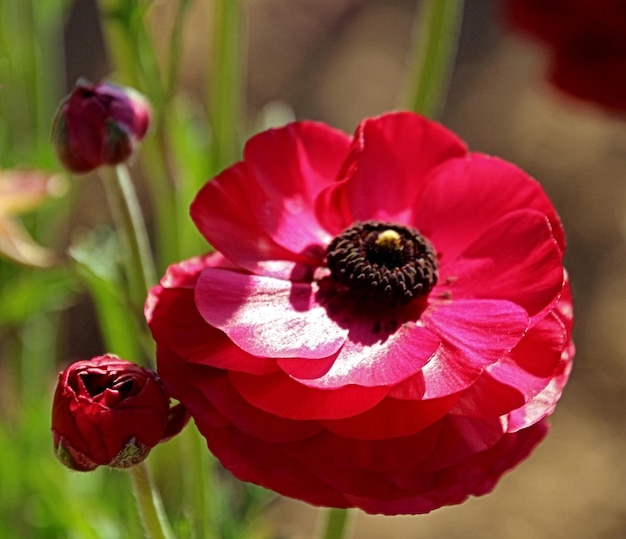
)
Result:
{"points": [[382, 262]]}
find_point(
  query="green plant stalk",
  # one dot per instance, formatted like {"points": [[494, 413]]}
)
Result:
{"points": [[175, 49], [200, 476], [336, 524], [149, 504], [130, 225], [132, 50], [225, 87], [436, 39]]}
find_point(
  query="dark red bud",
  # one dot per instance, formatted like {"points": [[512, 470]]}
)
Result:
{"points": [[110, 412], [99, 124]]}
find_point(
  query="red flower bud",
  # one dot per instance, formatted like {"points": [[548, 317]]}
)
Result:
{"points": [[108, 411], [99, 124]]}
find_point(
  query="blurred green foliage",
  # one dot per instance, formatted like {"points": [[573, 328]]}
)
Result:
{"points": [[39, 498]]}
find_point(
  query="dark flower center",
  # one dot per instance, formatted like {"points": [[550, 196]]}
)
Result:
{"points": [[383, 262]]}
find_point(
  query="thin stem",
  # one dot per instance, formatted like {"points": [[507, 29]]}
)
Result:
{"points": [[436, 39], [201, 477], [149, 504], [131, 227], [175, 48], [129, 44], [336, 524], [225, 85]]}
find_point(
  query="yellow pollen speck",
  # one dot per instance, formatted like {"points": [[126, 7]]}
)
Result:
{"points": [[389, 239]]}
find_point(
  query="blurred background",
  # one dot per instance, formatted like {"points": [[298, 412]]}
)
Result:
{"points": [[341, 60]]}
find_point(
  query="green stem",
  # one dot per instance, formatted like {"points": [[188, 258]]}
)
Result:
{"points": [[130, 225], [336, 524], [225, 99], [436, 39], [201, 474], [130, 44], [149, 504]]}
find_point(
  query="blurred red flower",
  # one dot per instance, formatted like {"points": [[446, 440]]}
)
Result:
{"points": [[386, 323], [587, 43], [108, 411], [99, 124]]}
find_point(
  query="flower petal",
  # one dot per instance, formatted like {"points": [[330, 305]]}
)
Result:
{"points": [[477, 475], [392, 418], [369, 360], [267, 317], [517, 259], [288, 167], [282, 396], [390, 157], [187, 334], [465, 197], [224, 212], [249, 419], [475, 334]]}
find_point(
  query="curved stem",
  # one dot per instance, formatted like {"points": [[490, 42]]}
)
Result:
{"points": [[436, 39], [149, 504], [130, 225], [336, 524]]}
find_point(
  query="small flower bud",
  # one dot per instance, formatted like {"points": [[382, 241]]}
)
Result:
{"points": [[99, 124], [110, 412]]}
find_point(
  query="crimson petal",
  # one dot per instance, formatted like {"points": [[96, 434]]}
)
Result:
{"points": [[517, 259], [267, 317], [464, 197], [475, 334]]}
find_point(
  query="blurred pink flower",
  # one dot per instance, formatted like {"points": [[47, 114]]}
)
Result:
{"points": [[22, 191], [387, 321]]}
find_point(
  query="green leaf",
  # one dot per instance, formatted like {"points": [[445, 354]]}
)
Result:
{"points": [[436, 39]]}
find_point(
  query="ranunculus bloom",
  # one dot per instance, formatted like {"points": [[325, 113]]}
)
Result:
{"points": [[385, 325], [99, 124], [587, 43], [108, 411]]}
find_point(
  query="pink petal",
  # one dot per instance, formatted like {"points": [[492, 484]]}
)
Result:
{"points": [[267, 317], [370, 360], [288, 167], [328, 450], [544, 402], [477, 475], [249, 419], [461, 437], [392, 418], [538, 353], [176, 323], [282, 396], [517, 259], [251, 459], [475, 334], [488, 397], [179, 378], [464, 197], [224, 212], [394, 153], [185, 273]]}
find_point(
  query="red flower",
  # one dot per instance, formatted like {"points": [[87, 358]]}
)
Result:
{"points": [[587, 42], [107, 411], [387, 322], [99, 124]]}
